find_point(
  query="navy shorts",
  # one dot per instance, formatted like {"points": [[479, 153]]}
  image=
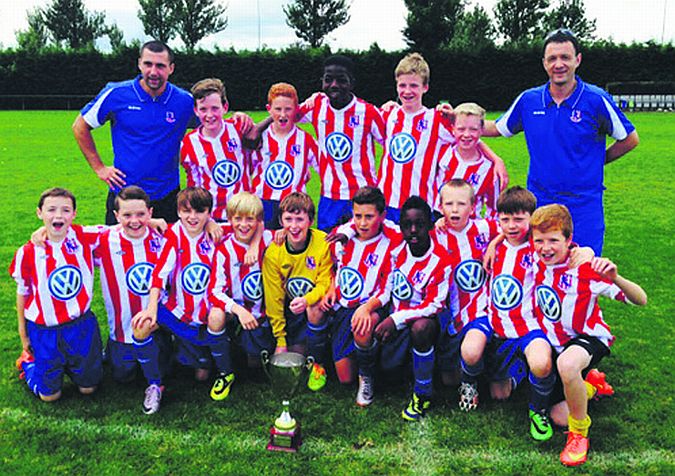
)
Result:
{"points": [[595, 348], [123, 358], [296, 327], [192, 341], [74, 348], [342, 339], [332, 213], [252, 342], [448, 347], [506, 357]]}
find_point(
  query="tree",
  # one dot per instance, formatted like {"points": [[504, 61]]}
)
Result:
{"points": [[36, 36], [116, 37], [474, 31], [198, 19], [70, 23], [571, 14], [312, 20], [519, 21], [159, 18], [431, 24]]}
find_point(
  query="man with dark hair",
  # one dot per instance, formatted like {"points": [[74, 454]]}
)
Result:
{"points": [[565, 122]]}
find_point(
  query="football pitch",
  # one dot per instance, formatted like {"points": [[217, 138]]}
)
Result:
{"points": [[107, 433]]}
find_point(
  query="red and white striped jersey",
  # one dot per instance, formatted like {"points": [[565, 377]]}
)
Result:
{"points": [[416, 286], [219, 164], [390, 229], [346, 144], [567, 302], [185, 265], [281, 165], [57, 280], [411, 152], [511, 291], [479, 173], [126, 277], [232, 281], [468, 293], [362, 268]]}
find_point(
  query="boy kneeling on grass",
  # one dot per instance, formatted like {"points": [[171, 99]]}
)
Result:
{"points": [[568, 311]]}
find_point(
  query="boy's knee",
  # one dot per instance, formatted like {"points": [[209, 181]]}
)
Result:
{"points": [[423, 333], [559, 414], [540, 366], [217, 319], [143, 331], [314, 314], [51, 398], [500, 390], [87, 390], [473, 347]]}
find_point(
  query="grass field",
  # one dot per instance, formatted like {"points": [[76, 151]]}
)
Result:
{"points": [[108, 434]]}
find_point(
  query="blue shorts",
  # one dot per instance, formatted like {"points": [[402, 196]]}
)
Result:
{"points": [[332, 213], [342, 339], [506, 357], [271, 213], [192, 341], [252, 342], [123, 358], [296, 327], [74, 347], [448, 347]]}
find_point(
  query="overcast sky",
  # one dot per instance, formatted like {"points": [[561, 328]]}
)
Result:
{"points": [[371, 21]]}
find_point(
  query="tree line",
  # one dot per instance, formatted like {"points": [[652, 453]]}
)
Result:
{"points": [[431, 25]]}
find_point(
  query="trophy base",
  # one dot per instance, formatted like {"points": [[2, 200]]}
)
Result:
{"points": [[288, 441]]}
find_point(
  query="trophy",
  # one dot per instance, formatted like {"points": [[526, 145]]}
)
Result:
{"points": [[285, 371]]}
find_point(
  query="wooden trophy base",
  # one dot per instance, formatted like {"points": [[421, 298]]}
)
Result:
{"points": [[288, 441]]}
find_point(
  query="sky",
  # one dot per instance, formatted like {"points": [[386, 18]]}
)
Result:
{"points": [[371, 21]]}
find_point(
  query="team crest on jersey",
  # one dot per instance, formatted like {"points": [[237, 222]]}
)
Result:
{"points": [[279, 175], [170, 117], [481, 241], [371, 260], [549, 302], [473, 179], [195, 278], [226, 173], [232, 145], [526, 261], [402, 148], [71, 245], [470, 276], [575, 116], [251, 285], [402, 290], [310, 262], [298, 287], [138, 278], [507, 292], [155, 245], [422, 125], [296, 150], [350, 282], [204, 247], [418, 277], [565, 281], [65, 282], [354, 121], [339, 146]]}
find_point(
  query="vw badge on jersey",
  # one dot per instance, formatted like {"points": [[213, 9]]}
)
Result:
{"points": [[507, 292], [549, 302], [298, 287], [402, 290], [470, 276], [251, 285], [65, 282], [226, 173], [279, 175], [402, 148], [195, 278], [339, 146], [350, 282], [138, 278]]}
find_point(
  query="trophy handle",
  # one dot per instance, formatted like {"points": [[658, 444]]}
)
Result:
{"points": [[265, 359], [309, 362]]}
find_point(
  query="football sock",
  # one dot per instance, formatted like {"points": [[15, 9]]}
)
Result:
{"points": [[219, 344], [148, 356], [365, 359], [579, 426], [540, 391], [423, 371], [590, 390], [316, 341], [470, 373]]}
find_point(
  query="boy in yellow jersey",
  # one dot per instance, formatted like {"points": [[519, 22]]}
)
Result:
{"points": [[296, 274]]}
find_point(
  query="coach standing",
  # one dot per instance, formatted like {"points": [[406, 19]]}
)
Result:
{"points": [[148, 118], [566, 122]]}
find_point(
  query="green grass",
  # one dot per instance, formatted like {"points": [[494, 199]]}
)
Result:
{"points": [[108, 434]]}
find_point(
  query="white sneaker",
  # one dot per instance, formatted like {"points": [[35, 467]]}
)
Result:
{"points": [[364, 396], [468, 396], [153, 397]]}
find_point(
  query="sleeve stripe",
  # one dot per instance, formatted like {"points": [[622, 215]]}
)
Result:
{"points": [[91, 116], [502, 122], [618, 130]]}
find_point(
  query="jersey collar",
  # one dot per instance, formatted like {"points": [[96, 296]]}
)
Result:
{"points": [[570, 102], [143, 96]]}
